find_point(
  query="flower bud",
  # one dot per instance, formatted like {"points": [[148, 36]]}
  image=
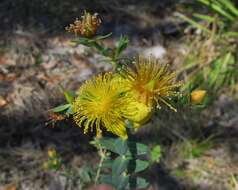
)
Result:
{"points": [[86, 27], [197, 96]]}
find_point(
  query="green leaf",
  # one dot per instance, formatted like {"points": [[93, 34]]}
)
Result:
{"points": [[118, 145], [119, 165], [69, 95], [137, 149], [107, 163], [61, 108], [84, 41], [156, 153], [141, 183], [108, 144], [107, 179], [141, 165], [142, 149], [121, 182], [121, 46], [103, 37], [121, 146], [89, 41], [69, 111]]}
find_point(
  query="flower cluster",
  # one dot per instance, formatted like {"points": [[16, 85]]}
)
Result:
{"points": [[108, 100], [86, 27]]}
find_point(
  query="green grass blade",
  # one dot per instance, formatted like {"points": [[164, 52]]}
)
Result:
{"points": [[230, 6], [220, 72], [196, 24], [231, 34], [204, 17], [218, 8]]}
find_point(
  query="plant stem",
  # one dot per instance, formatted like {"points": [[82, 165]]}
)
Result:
{"points": [[102, 155]]}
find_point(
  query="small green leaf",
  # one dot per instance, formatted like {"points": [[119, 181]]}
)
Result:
{"points": [[84, 41], [118, 145], [61, 108], [69, 111], [106, 179], [137, 165], [121, 182], [137, 149], [103, 37], [119, 165], [142, 149], [108, 144], [69, 95], [107, 163], [141, 165], [122, 45], [121, 146], [156, 153], [141, 182]]}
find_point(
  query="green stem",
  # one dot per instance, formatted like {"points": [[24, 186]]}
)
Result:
{"points": [[133, 150], [105, 52], [102, 155], [100, 48]]}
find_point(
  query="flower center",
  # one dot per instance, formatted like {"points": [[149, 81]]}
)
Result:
{"points": [[103, 106]]}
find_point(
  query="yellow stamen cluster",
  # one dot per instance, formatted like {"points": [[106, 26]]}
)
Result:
{"points": [[151, 82], [109, 100], [86, 27], [105, 102]]}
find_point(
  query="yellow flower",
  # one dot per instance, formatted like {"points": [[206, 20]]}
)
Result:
{"points": [[86, 27], [51, 153], [104, 102], [197, 96], [150, 82]]}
